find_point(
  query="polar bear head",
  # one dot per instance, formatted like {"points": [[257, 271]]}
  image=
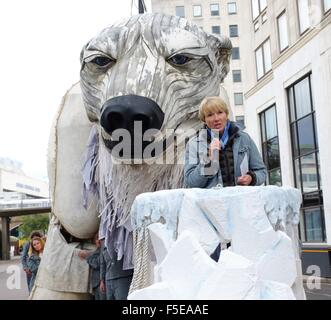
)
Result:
{"points": [[152, 70]]}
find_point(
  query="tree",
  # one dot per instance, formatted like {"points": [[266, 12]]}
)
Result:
{"points": [[33, 222]]}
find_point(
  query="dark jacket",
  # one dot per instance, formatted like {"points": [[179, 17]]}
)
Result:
{"points": [[110, 267], [226, 160], [94, 260]]}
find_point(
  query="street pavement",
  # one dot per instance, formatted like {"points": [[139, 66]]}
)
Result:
{"points": [[322, 293], [13, 283]]}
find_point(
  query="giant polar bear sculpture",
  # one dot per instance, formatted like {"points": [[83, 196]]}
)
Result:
{"points": [[151, 68]]}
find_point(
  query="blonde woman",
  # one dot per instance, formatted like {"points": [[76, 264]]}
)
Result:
{"points": [[221, 154], [35, 254], [25, 255]]}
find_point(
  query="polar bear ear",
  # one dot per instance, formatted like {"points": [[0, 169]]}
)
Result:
{"points": [[222, 47], [82, 53]]}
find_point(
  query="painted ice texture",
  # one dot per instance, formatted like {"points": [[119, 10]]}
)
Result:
{"points": [[186, 225]]}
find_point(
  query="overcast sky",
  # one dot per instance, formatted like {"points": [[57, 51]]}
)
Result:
{"points": [[40, 43]]}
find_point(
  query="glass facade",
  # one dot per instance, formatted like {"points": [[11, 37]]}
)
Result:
{"points": [[238, 99], [214, 9], [258, 7], [197, 11], [270, 145], [306, 162], [282, 31], [232, 8], [240, 120], [236, 74], [327, 5], [256, 26], [235, 53], [180, 11], [303, 11], [263, 59], [233, 30], [216, 29]]}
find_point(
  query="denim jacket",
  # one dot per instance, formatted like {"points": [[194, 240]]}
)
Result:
{"points": [[25, 255], [33, 265], [201, 172]]}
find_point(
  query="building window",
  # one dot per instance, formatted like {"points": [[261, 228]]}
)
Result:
{"points": [[214, 9], [263, 59], [258, 7], [255, 9], [233, 30], [306, 163], [282, 31], [303, 11], [264, 17], [241, 122], [270, 145], [197, 11], [256, 25], [327, 5], [232, 8], [238, 99], [216, 29], [180, 11], [235, 53], [263, 5], [236, 75]]}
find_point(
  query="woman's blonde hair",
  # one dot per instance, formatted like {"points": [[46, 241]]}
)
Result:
{"points": [[32, 250], [212, 104]]}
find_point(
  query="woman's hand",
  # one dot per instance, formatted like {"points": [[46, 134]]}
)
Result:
{"points": [[28, 272], [244, 180], [102, 286], [83, 254], [214, 145]]}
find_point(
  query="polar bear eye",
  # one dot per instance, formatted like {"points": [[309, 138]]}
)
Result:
{"points": [[101, 61], [179, 59]]}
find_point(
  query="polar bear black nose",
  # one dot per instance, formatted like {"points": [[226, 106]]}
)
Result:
{"points": [[123, 112]]}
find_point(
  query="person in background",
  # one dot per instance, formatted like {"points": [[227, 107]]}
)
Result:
{"points": [[114, 279], [93, 259], [25, 255], [35, 254]]}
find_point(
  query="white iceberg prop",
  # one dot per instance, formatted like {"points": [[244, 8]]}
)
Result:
{"points": [[188, 273], [260, 222]]}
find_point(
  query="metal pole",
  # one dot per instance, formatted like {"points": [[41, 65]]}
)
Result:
{"points": [[141, 6], [5, 238]]}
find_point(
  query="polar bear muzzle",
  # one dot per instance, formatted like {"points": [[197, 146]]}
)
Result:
{"points": [[123, 111], [130, 116]]}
